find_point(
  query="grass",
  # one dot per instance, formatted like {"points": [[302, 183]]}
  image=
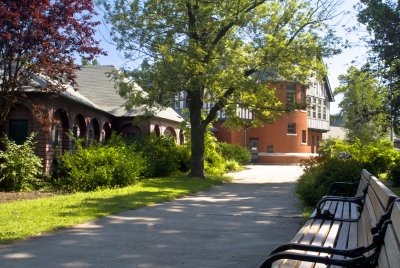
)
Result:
{"points": [[23, 219]]}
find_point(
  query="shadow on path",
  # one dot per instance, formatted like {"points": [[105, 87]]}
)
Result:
{"points": [[232, 225]]}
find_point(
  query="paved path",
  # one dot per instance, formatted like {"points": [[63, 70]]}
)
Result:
{"points": [[232, 225]]}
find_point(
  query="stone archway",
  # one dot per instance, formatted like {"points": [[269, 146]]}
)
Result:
{"points": [[79, 128], [94, 131], [131, 131], [106, 131], [157, 130], [181, 137], [170, 131]]}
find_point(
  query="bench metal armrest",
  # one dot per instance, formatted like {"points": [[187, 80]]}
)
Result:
{"points": [[343, 188], [355, 252], [326, 215], [353, 262]]}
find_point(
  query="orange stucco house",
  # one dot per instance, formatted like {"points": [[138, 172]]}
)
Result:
{"points": [[295, 135]]}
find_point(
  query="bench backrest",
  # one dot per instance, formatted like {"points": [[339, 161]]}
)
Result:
{"points": [[390, 252], [365, 177], [376, 203]]}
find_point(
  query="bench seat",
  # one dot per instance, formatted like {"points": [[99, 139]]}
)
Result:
{"points": [[348, 225]]}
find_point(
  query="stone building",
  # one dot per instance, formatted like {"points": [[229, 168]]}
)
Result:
{"points": [[92, 112]]}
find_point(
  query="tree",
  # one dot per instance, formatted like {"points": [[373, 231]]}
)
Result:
{"points": [[363, 106], [42, 37], [86, 62], [382, 18], [218, 52]]}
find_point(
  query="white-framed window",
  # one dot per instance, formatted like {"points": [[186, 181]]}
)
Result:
{"points": [[317, 108], [291, 128], [290, 96]]}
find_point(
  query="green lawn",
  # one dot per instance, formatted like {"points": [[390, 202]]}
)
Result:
{"points": [[22, 219]]}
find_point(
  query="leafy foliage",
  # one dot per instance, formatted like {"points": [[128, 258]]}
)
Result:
{"points": [[376, 157], [19, 166], [343, 161], [113, 165], [160, 155], [231, 165], [218, 52], [42, 37], [214, 163], [235, 152], [394, 174], [183, 154], [383, 24], [315, 181], [363, 106]]}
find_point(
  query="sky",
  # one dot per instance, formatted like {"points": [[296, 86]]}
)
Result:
{"points": [[336, 65]]}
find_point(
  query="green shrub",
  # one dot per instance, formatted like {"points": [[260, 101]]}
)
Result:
{"points": [[315, 182], [377, 157], [112, 165], [19, 166], [183, 153], [235, 152], [214, 163], [160, 154], [394, 174], [231, 165]]}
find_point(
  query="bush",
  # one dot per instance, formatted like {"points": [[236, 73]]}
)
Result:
{"points": [[113, 165], [160, 154], [377, 157], [315, 182], [231, 165], [235, 152], [183, 153], [19, 166], [394, 174], [214, 163]]}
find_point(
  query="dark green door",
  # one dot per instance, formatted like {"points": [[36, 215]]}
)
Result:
{"points": [[18, 130]]}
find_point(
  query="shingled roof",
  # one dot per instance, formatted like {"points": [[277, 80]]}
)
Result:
{"points": [[95, 83]]}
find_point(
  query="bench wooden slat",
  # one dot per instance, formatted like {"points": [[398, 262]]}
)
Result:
{"points": [[346, 211], [302, 232], [385, 195], [361, 226], [296, 239], [343, 236], [368, 220], [365, 176], [383, 258], [347, 238], [353, 237], [318, 240], [392, 248], [354, 213], [379, 202], [390, 254], [339, 210], [329, 241], [395, 217]]}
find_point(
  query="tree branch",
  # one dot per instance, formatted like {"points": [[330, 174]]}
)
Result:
{"points": [[218, 106]]}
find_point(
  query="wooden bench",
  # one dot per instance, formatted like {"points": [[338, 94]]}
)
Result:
{"points": [[343, 237]]}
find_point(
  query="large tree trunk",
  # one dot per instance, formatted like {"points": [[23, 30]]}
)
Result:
{"points": [[197, 132]]}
